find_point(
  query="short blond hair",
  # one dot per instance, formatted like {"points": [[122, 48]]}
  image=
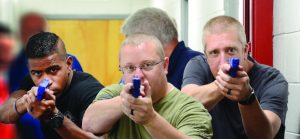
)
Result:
{"points": [[136, 39], [221, 24]]}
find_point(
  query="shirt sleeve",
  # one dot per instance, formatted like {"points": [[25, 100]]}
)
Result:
{"points": [[109, 92], [195, 121], [197, 72], [275, 99]]}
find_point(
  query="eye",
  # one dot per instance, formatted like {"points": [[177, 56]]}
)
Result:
{"points": [[53, 70], [231, 51], [36, 73], [213, 53], [147, 66], [130, 68]]}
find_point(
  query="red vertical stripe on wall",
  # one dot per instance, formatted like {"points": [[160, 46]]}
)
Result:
{"points": [[262, 31], [247, 18]]}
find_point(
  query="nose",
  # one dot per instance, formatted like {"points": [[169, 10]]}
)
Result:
{"points": [[224, 58], [48, 78], [140, 73]]}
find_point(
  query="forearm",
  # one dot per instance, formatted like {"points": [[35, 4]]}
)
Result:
{"points": [[9, 110], [159, 128], [71, 131], [255, 122], [208, 95], [100, 116]]}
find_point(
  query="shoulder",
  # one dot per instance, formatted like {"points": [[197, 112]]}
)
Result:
{"points": [[109, 92], [86, 82], [193, 53], [186, 51], [191, 116], [267, 74], [271, 89], [197, 71], [185, 101], [113, 88], [189, 53], [83, 77], [200, 58], [198, 62], [268, 83]]}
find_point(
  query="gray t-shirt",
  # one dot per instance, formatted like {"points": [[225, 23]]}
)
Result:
{"points": [[269, 86]]}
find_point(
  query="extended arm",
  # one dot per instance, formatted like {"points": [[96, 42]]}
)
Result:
{"points": [[258, 123], [199, 83], [209, 95], [72, 131], [9, 111], [46, 111], [100, 116]]}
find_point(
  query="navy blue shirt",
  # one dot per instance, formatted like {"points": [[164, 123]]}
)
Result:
{"points": [[17, 72], [178, 60]]}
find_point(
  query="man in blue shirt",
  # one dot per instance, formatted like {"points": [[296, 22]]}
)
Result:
{"points": [[156, 22]]}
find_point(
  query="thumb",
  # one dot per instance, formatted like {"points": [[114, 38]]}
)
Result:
{"points": [[147, 89]]}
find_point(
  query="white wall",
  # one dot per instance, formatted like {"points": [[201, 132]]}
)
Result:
{"points": [[173, 8], [7, 12], [199, 12], [286, 43]]}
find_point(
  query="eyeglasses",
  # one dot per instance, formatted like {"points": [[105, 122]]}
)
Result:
{"points": [[145, 67]]}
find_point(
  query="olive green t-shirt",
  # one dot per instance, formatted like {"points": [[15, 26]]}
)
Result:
{"points": [[182, 111]]}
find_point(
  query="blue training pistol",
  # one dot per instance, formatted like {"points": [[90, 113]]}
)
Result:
{"points": [[234, 66], [42, 88], [136, 86]]}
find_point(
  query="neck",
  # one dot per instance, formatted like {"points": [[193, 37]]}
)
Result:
{"points": [[248, 65], [70, 76], [68, 83], [170, 46], [167, 88]]}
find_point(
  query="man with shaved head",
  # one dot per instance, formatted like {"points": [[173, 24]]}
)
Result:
{"points": [[31, 23], [68, 95]]}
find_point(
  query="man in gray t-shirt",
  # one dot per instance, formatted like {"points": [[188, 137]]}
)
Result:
{"points": [[251, 105]]}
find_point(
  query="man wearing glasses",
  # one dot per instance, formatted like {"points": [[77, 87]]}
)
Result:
{"points": [[161, 111]]}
